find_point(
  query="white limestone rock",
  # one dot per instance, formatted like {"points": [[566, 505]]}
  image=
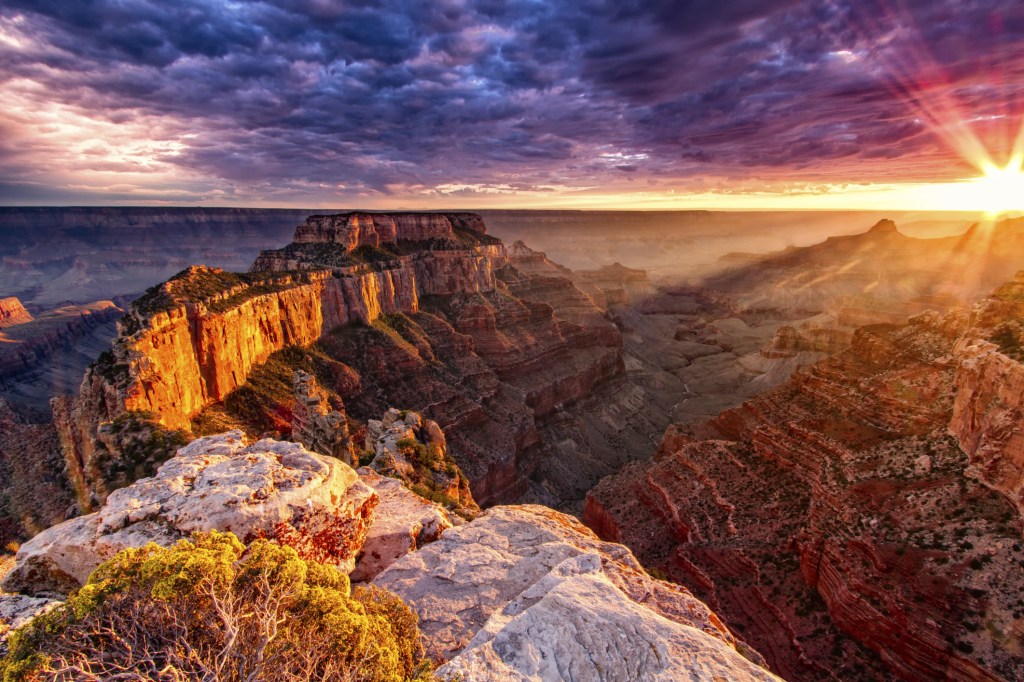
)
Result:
{"points": [[268, 489], [527, 593], [403, 523], [18, 609]]}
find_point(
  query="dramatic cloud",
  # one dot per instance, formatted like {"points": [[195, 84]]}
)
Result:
{"points": [[452, 101]]}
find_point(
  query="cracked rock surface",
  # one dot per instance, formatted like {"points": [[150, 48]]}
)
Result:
{"points": [[527, 593]]}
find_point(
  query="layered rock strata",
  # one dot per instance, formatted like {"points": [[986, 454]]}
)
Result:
{"points": [[835, 524], [267, 489], [12, 312], [988, 409], [423, 312], [26, 345], [355, 229], [527, 593], [191, 341]]}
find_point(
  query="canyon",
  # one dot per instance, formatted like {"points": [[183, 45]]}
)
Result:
{"points": [[46, 355], [840, 486], [864, 516], [422, 311]]}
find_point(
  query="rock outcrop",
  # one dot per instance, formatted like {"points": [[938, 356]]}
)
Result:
{"points": [[355, 229], [12, 312], [403, 522], [267, 489], [316, 423], [528, 593], [988, 410], [789, 341], [18, 609], [414, 450], [836, 525], [619, 284]]}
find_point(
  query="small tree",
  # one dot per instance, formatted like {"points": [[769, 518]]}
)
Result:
{"points": [[212, 609]]}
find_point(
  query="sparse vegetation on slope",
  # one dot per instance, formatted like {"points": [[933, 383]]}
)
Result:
{"points": [[1008, 336], [133, 446], [266, 400], [212, 608], [201, 283]]}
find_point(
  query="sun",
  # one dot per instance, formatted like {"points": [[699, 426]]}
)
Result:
{"points": [[998, 190]]}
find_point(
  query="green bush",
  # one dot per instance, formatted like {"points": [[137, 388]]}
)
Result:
{"points": [[211, 608]]}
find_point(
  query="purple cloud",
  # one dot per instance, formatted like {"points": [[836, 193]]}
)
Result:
{"points": [[320, 101]]}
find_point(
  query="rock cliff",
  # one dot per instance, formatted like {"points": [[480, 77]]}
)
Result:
{"points": [[526, 593], [191, 341], [988, 409], [355, 229], [414, 310], [12, 312], [835, 523]]}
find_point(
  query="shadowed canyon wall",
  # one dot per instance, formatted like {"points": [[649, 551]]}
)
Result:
{"points": [[864, 518]]}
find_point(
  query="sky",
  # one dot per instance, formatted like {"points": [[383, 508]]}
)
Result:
{"points": [[513, 103]]}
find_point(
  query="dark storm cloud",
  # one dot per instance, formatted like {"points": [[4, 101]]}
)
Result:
{"points": [[375, 95]]}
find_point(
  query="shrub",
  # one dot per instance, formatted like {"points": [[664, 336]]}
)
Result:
{"points": [[211, 608]]}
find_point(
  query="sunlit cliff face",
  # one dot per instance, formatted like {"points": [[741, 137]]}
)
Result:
{"points": [[555, 103]]}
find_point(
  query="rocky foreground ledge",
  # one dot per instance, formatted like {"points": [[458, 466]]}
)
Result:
{"points": [[520, 593], [266, 489], [527, 593]]}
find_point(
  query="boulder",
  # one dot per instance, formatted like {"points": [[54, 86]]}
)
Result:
{"points": [[18, 609], [267, 489], [402, 523], [527, 593]]}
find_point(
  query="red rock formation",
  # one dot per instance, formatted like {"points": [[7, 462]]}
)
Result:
{"points": [[12, 312], [988, 412], [534, 405], [834, 524], [352, 230]]}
